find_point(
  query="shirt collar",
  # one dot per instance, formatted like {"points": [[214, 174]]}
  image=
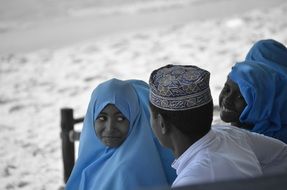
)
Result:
{"points": [[183, 160]]}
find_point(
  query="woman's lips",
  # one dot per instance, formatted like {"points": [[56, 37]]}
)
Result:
{"points": [[110, 137], [111, 140]]}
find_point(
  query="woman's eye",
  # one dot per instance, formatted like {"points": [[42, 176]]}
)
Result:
{"points": [[226, 89], [240, 96], [101, 118], [121, 118]]}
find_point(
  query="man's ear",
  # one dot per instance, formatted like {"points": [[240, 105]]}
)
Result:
{"points": [[162, 124]]}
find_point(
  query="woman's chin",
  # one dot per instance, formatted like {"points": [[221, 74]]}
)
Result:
{"points": [[228, 117]]}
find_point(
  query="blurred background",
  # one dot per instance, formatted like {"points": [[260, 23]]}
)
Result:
{"points": [[53, 53]]}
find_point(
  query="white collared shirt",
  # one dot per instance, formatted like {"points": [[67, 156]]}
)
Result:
{"points": [[229, 153]]}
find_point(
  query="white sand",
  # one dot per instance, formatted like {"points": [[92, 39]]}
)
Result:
{"points": [[55, 27], [35, 85]]}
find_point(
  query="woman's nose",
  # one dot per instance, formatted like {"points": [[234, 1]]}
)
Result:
{"points": [[231, 97], [109, 125], [227, 99]]}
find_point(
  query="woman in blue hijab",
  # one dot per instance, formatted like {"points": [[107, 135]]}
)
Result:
{"points": [[255, 93], [117, 147]]}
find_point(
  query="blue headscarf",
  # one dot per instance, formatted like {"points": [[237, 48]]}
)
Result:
{"points": [[139, 162], [270, 53], [262, 80]]}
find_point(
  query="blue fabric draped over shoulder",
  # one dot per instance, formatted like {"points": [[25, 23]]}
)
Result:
{"points": [[139, 162], [265, 92]]}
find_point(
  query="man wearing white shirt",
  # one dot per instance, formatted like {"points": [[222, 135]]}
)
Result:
{"points": [[182, 110]]}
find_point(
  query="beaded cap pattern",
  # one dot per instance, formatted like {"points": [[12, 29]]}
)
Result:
{"points": [[179, 87]]}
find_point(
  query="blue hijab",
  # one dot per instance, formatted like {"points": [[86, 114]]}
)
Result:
{"points": [[270, 53], [139, 162], [262, 80]]}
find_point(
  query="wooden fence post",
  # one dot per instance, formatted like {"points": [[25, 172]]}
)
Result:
{"points": [[68, 147]]}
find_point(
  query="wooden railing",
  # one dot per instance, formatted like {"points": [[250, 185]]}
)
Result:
{"points": [[68, 138]]}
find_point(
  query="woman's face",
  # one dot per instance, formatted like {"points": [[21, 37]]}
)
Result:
{"points": [[231, 103], [111, 126]]}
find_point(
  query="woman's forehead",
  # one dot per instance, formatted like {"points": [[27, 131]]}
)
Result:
{"points": [[111, 109]]}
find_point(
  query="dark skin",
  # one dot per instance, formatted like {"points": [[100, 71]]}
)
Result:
{"points": [[232, 104], [170, 137], [111, 126]]}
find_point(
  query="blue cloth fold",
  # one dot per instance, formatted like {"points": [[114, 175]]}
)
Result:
{"points": [[139, 162], [262, 80], [270, 53]]}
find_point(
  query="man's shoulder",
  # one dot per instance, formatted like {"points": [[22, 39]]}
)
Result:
{"points": [[232, 130], [194, 172]]}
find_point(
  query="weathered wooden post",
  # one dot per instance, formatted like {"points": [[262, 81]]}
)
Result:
{"points": [[68, 147]]}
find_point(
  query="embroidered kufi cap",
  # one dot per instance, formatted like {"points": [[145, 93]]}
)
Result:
{"points": [[179, 87]]}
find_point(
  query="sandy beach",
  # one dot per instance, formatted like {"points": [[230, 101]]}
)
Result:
{"points": [[46, 66], [87, 23]]}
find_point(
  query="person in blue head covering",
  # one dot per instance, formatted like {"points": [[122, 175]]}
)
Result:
{"points": [[117, 147], [255, 94], [181, 108]]}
